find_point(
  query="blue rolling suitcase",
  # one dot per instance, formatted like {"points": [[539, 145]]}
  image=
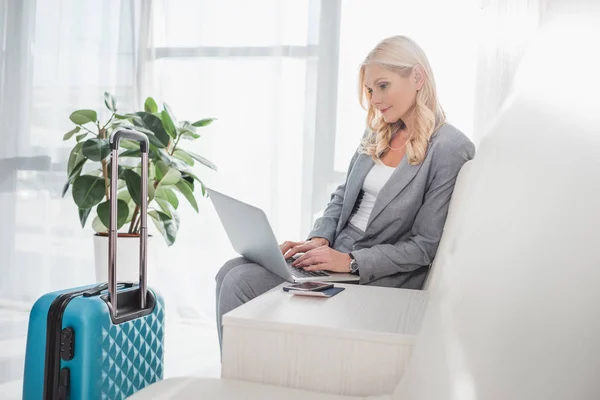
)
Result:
{"points": [[99, 341]]}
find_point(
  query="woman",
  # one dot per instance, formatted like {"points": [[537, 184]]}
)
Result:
{"points": [[385, 222]]}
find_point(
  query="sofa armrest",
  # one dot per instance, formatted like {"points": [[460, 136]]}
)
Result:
{"points": [[357, 343]]}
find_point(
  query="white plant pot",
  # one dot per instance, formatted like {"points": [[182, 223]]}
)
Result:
{"points": [[128, 257]]}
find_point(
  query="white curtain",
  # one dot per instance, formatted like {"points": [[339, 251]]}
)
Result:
{"points": [[248, 64], [251, 69]]}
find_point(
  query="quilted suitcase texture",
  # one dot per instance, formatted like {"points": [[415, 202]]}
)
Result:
{"points": [[98, 341]]}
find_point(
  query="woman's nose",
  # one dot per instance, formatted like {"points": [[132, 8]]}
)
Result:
{"points": [[375, 99]]}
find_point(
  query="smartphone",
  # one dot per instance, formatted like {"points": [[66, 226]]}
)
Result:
{"points": [[308, 286], [322, 293]]}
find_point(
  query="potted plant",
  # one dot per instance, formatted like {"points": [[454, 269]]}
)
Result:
{"points": [[170, 174]]}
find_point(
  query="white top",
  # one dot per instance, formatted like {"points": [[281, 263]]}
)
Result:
{"points": [[374, 181]]}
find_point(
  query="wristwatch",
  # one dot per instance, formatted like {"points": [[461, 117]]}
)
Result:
{"points": [[353, 265]]}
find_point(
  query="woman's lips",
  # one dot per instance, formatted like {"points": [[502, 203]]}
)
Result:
{"points": [[385, 109]]}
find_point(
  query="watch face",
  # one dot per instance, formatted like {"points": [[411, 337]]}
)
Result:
{"points": [[353, 265]]}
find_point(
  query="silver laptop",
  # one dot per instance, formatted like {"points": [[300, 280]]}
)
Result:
{"points": [[251, 236]]}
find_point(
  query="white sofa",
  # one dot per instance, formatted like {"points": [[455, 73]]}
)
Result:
{"points": [[513, 311]]}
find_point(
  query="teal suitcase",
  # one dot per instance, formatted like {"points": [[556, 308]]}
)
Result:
{"points": [[99, 341]]}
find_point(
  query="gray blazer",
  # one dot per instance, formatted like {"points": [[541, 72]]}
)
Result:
{"points": [[406, 224]]}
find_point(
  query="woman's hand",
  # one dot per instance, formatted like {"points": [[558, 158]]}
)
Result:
{"points": [[288, 249], [324, 258]]}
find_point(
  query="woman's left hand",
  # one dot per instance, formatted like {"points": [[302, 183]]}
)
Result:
{"points": [[324, 258]]}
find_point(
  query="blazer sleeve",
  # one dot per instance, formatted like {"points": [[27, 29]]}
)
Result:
{"points": [[326, 225], [419, 249]]}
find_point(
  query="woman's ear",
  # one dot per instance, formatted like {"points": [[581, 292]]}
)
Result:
{"points": [[418, 75]]}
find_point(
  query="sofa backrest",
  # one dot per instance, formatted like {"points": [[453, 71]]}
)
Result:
{"points": [[515, 314], [456, 209]]}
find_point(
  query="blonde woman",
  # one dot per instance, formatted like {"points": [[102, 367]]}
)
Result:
{"points": [[385, 222]]}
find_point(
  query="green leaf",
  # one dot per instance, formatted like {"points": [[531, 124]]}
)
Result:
{"points": [[131, 153], [126, 197], [189, 180], [165, 206], [160, 170], [172, 161], [204, 122], [187, 175], [119, 167], [187, 134], [65, 188], [171, 114], [186, 191], [150, 105], [170, 178], [202, 160], [76, 171], [168, 124], [132, 179], [135, 119], [98, 226], [74, 158], [103, 210], [81, 117], [151, 190], [129, 144], [183, 156], [83, 216], [155, 125], [166, 225], [88, 191], [82, 136], [165, 193], [70, 134], [96, 149], [110, 102]]}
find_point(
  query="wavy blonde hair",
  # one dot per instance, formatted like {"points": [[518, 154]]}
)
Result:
{"points": [[401, 54]]}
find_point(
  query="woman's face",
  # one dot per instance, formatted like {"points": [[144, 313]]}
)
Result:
{"points": [[392, 94]]}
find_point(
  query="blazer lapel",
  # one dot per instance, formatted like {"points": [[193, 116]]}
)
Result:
{"points": [[400, 178], [355, 183]]}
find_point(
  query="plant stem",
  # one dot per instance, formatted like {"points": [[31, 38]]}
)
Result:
{"points": [[95, 134], [175, 145], [106, 181], [111, 118], [101, 134], [134, 219], [137, 225]]}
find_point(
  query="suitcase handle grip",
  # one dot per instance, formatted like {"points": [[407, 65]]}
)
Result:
{"points": [[96, 290], [112, 229]]}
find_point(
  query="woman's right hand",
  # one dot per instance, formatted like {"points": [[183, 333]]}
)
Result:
{"points": [[288, 249]]}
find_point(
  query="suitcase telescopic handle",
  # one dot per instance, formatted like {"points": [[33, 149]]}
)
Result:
{"points": [[112, 229]]}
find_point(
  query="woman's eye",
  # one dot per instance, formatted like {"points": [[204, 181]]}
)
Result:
{"points": [[383, 86], [370, 91]]}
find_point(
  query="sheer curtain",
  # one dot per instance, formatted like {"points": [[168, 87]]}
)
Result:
{"points": [[253, 69], [55, 57], [251, 74]]}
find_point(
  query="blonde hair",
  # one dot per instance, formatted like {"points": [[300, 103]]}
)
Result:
{"points": [[401, 54]]}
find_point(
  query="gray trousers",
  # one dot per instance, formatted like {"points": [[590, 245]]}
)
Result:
{"points": [[240, 280]]}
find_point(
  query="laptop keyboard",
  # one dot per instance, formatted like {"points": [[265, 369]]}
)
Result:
{"points": [[301, 273]]}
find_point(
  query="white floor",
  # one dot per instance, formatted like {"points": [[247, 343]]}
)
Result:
{"points": [[191, 349]]}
